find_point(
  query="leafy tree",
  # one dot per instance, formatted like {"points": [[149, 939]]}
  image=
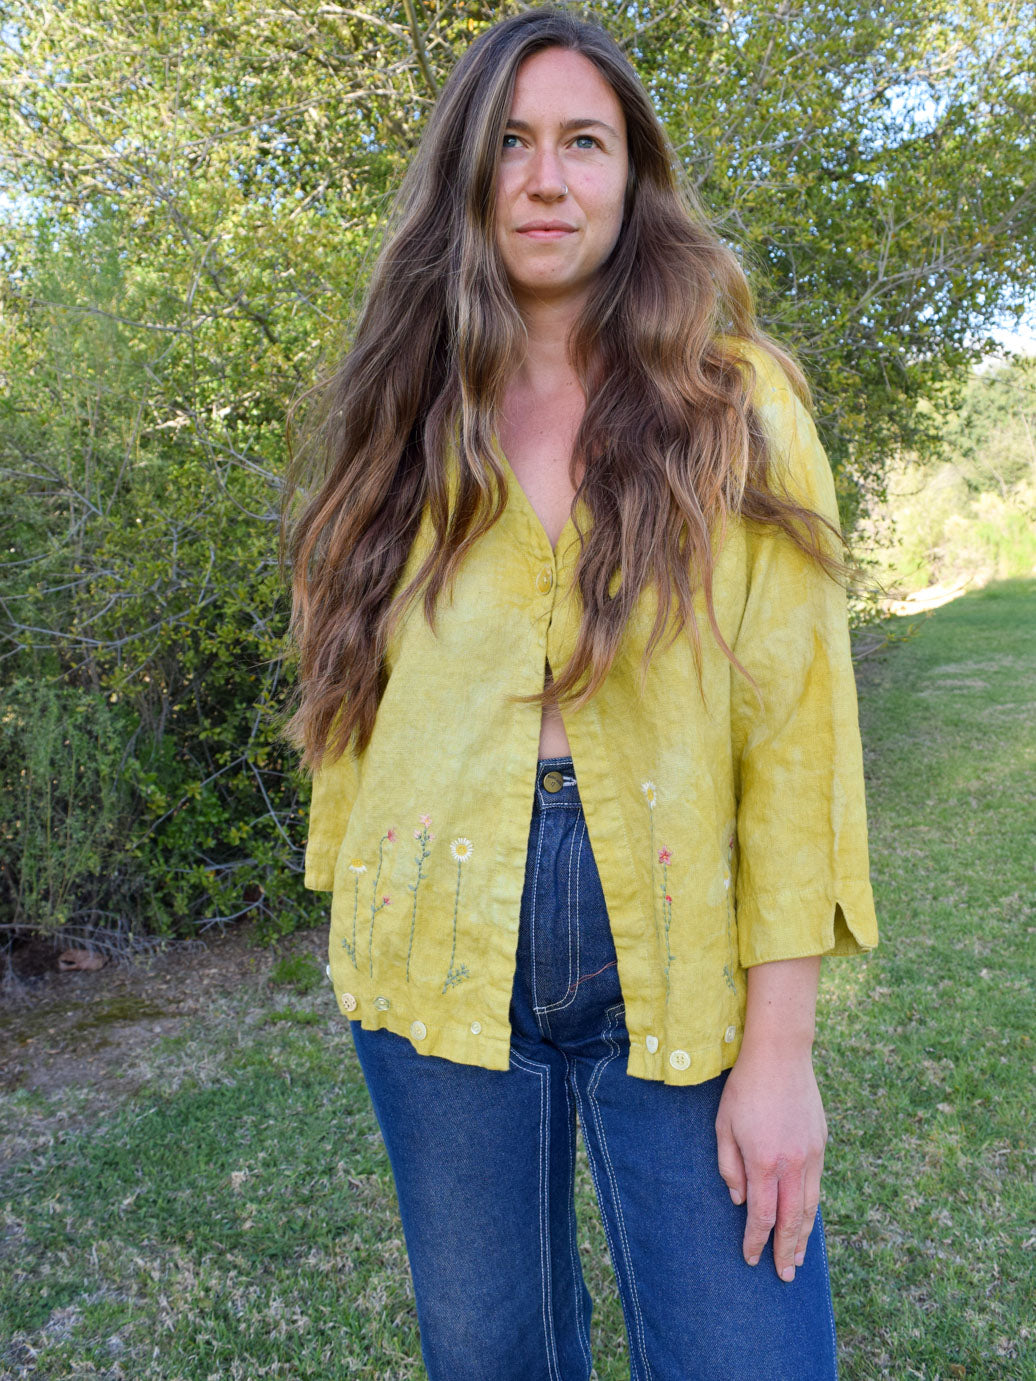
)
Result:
{"points": [[969, 513], [193, 197]]}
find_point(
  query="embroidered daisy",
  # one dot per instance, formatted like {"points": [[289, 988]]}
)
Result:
{"points": [[648, 789], [461, 849], [357, 866]]}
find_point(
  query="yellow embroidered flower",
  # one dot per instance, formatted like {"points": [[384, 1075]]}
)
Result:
{"points": [[357, 866], [648, 789], [461, 849]]}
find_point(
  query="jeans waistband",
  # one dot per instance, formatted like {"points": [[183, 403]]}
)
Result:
{"points": [[555, 784]]}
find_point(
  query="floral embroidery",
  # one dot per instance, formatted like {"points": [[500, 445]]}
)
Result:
{"points": [[665, 857], [388, 837], [728, 967], [650, 794], [461, 849], [424, 837], [356, 867]]}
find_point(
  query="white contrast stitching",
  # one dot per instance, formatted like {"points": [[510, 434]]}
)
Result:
{"points": [[830, 1306], [546, 1293], [532, 924], [575, 851], [578, 1282], [594, 1080]]}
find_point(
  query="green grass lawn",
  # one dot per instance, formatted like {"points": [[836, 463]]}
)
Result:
{"points": [[235, 1217]]}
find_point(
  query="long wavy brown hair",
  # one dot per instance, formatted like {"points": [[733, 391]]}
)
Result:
{"points": [[437, 339]]}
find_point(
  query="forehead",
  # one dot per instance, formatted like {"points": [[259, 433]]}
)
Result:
{"points": [[558, 84]]}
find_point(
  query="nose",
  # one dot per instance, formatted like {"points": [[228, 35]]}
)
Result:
{"points": [[546, 179]]}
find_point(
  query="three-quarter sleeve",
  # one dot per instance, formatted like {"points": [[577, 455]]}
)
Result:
{"points": [[803, 883], [335, 786]]}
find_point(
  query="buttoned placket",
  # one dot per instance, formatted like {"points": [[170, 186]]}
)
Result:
{"points": [[549, 566], [555, 573]]}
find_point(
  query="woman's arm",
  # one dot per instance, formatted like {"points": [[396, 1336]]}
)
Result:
{"points": [[770, 1127]]}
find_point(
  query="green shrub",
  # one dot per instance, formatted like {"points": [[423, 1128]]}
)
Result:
{"points": [[67, 810]]}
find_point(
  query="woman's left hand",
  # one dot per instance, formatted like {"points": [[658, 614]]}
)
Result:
{"points": [[770, 1128]]}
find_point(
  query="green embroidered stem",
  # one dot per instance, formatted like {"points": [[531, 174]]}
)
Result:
{"points": [[664, 856], [350, 949], [461, 850], [654, 908], [423, 836], [728, 967], [375, 906], [455, 975]]}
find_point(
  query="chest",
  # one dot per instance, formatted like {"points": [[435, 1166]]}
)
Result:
{"points": [[538, 445]]}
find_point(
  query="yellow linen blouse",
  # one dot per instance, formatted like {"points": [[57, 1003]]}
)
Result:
{"points": [[725, 834]]}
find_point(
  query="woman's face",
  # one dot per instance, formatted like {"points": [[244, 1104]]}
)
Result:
{"points": [[566, 130]]}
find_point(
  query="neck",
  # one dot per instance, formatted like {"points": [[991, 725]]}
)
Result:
{"points": [[547, 370]]}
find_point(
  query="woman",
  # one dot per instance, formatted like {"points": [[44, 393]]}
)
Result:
{"points": [[585, 854]]}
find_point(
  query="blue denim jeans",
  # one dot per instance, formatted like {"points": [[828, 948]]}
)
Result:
{"points": [[484, 1167]]}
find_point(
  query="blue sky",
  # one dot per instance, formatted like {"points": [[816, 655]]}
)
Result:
{"points": [[1021, 338]]}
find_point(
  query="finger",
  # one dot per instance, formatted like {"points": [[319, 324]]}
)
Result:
{"points": [[812, 1203], [762, 1214], [731, 1165], [791, 1198]]}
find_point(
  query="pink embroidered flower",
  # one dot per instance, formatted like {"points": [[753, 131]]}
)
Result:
{"points": [[668, 897], [425, 819], [390, 835], [665, 856], [385, 901]]}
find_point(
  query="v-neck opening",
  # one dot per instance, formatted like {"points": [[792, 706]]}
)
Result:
{"points": [[528, 505]]}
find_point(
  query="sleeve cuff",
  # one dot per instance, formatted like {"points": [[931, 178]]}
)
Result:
{"points": [[794, 926], [320, 871]]}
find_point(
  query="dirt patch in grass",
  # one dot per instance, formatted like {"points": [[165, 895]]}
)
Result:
{"points": [[80, 1030]]}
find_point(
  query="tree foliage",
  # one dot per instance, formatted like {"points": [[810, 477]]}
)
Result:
{"points": [[193, 195], [968, 513]]}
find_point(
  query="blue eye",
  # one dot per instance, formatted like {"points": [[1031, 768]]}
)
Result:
{"points": [[587, 136]]}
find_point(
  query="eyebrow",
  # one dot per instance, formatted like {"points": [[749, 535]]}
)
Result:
{"points": [[577, 122]]}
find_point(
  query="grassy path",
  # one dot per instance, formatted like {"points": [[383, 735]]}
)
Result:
{"points": [[234, 1217], [926, 1046]]}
